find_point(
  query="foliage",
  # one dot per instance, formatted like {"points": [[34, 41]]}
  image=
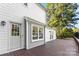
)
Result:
{"points": [[76, 34], [75, 30], [62, 16], [65, 32]]}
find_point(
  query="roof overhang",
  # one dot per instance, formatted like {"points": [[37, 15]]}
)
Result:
{"points": [[34, 21]]}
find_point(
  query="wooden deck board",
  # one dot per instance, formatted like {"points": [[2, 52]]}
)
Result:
{"points": [[53, 48]]}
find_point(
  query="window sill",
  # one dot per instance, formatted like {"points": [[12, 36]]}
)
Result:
{"points": [[37, 40]]}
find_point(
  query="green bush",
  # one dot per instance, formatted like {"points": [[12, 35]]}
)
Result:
{"points": [[76, 34], [65, 33]]}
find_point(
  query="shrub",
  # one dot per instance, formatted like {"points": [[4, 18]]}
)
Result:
{"points": [[65, 33], [76, 34]]}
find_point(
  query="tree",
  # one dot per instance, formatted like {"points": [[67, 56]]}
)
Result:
{"points": [[61, 15], [75, 30]]}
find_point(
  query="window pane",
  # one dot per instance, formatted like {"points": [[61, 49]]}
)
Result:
{"points": [[35, 33], [15, 30], [40, 33]]}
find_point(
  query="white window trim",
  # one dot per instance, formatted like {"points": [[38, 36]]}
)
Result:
{"points": [[43, 32], [38, 32]]}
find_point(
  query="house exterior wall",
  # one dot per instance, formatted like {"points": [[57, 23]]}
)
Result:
{"points": [[5, 34], [20, 10], [29, 41], [15, 12], [47, 34]]}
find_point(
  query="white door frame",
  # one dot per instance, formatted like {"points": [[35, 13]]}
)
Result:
{"points": [[10, 35]]}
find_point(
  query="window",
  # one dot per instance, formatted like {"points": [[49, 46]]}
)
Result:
{"points": [[15, 30], [40, 33], [51, 34], [37, 32]]}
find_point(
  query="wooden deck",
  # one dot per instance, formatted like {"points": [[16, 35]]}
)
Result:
{"points": [[53, 48]]}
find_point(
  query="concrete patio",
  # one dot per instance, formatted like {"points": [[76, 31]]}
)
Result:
{"points": [[53, 48]]}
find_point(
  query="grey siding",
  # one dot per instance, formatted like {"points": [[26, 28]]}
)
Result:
{"points": [[30, 43]]}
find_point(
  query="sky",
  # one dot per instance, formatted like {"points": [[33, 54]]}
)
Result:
{"points": [[77, 25], [44, 4]]}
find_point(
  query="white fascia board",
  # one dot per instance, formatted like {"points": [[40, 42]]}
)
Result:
{"points": [[32, 20]]}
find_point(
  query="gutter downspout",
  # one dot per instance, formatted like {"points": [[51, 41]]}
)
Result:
{"points": [[25, 34], [44, 35]]}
